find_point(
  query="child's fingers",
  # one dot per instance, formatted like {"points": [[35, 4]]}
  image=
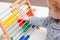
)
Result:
{"points": [[24, 17]]}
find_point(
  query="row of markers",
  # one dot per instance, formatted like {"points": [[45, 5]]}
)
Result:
{"points": [[25, 28], [23, 37], [14, 14], [24, 24]]}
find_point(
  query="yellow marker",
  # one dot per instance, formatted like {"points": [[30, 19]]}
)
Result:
{"points": [[27, 8], [11, 22], [10, 17]]}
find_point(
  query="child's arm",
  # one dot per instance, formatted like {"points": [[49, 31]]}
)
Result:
{"points": [[38, 21]]}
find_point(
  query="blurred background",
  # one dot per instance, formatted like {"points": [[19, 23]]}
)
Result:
{"points": [[33, 2]]}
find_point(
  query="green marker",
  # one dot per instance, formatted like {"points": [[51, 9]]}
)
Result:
{"points": [[11, 38], [24, 26], [27, 27]]}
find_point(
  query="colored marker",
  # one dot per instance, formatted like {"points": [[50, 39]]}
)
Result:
{"points": [[7, 25], [25, 24], [21, 32], [10, 17], [27, 8], [33, 26], [27, 37], [22, 37], [29, 13], [11, 38], [22, 22], [18, 34], [25, 29], [19, 20]]}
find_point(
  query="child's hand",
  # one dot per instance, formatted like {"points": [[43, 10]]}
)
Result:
{"points": [[23, 15]]}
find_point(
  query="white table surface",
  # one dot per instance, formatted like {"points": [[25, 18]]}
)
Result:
{"points": [[40, 12]]}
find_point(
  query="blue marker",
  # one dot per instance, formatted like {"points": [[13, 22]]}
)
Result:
{"points": [[33, 26], [22, 37], [27, 37]]}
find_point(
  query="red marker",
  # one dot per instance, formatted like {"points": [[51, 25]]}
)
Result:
{"points": [[19, 20], [29, 13], [22, 22]]}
